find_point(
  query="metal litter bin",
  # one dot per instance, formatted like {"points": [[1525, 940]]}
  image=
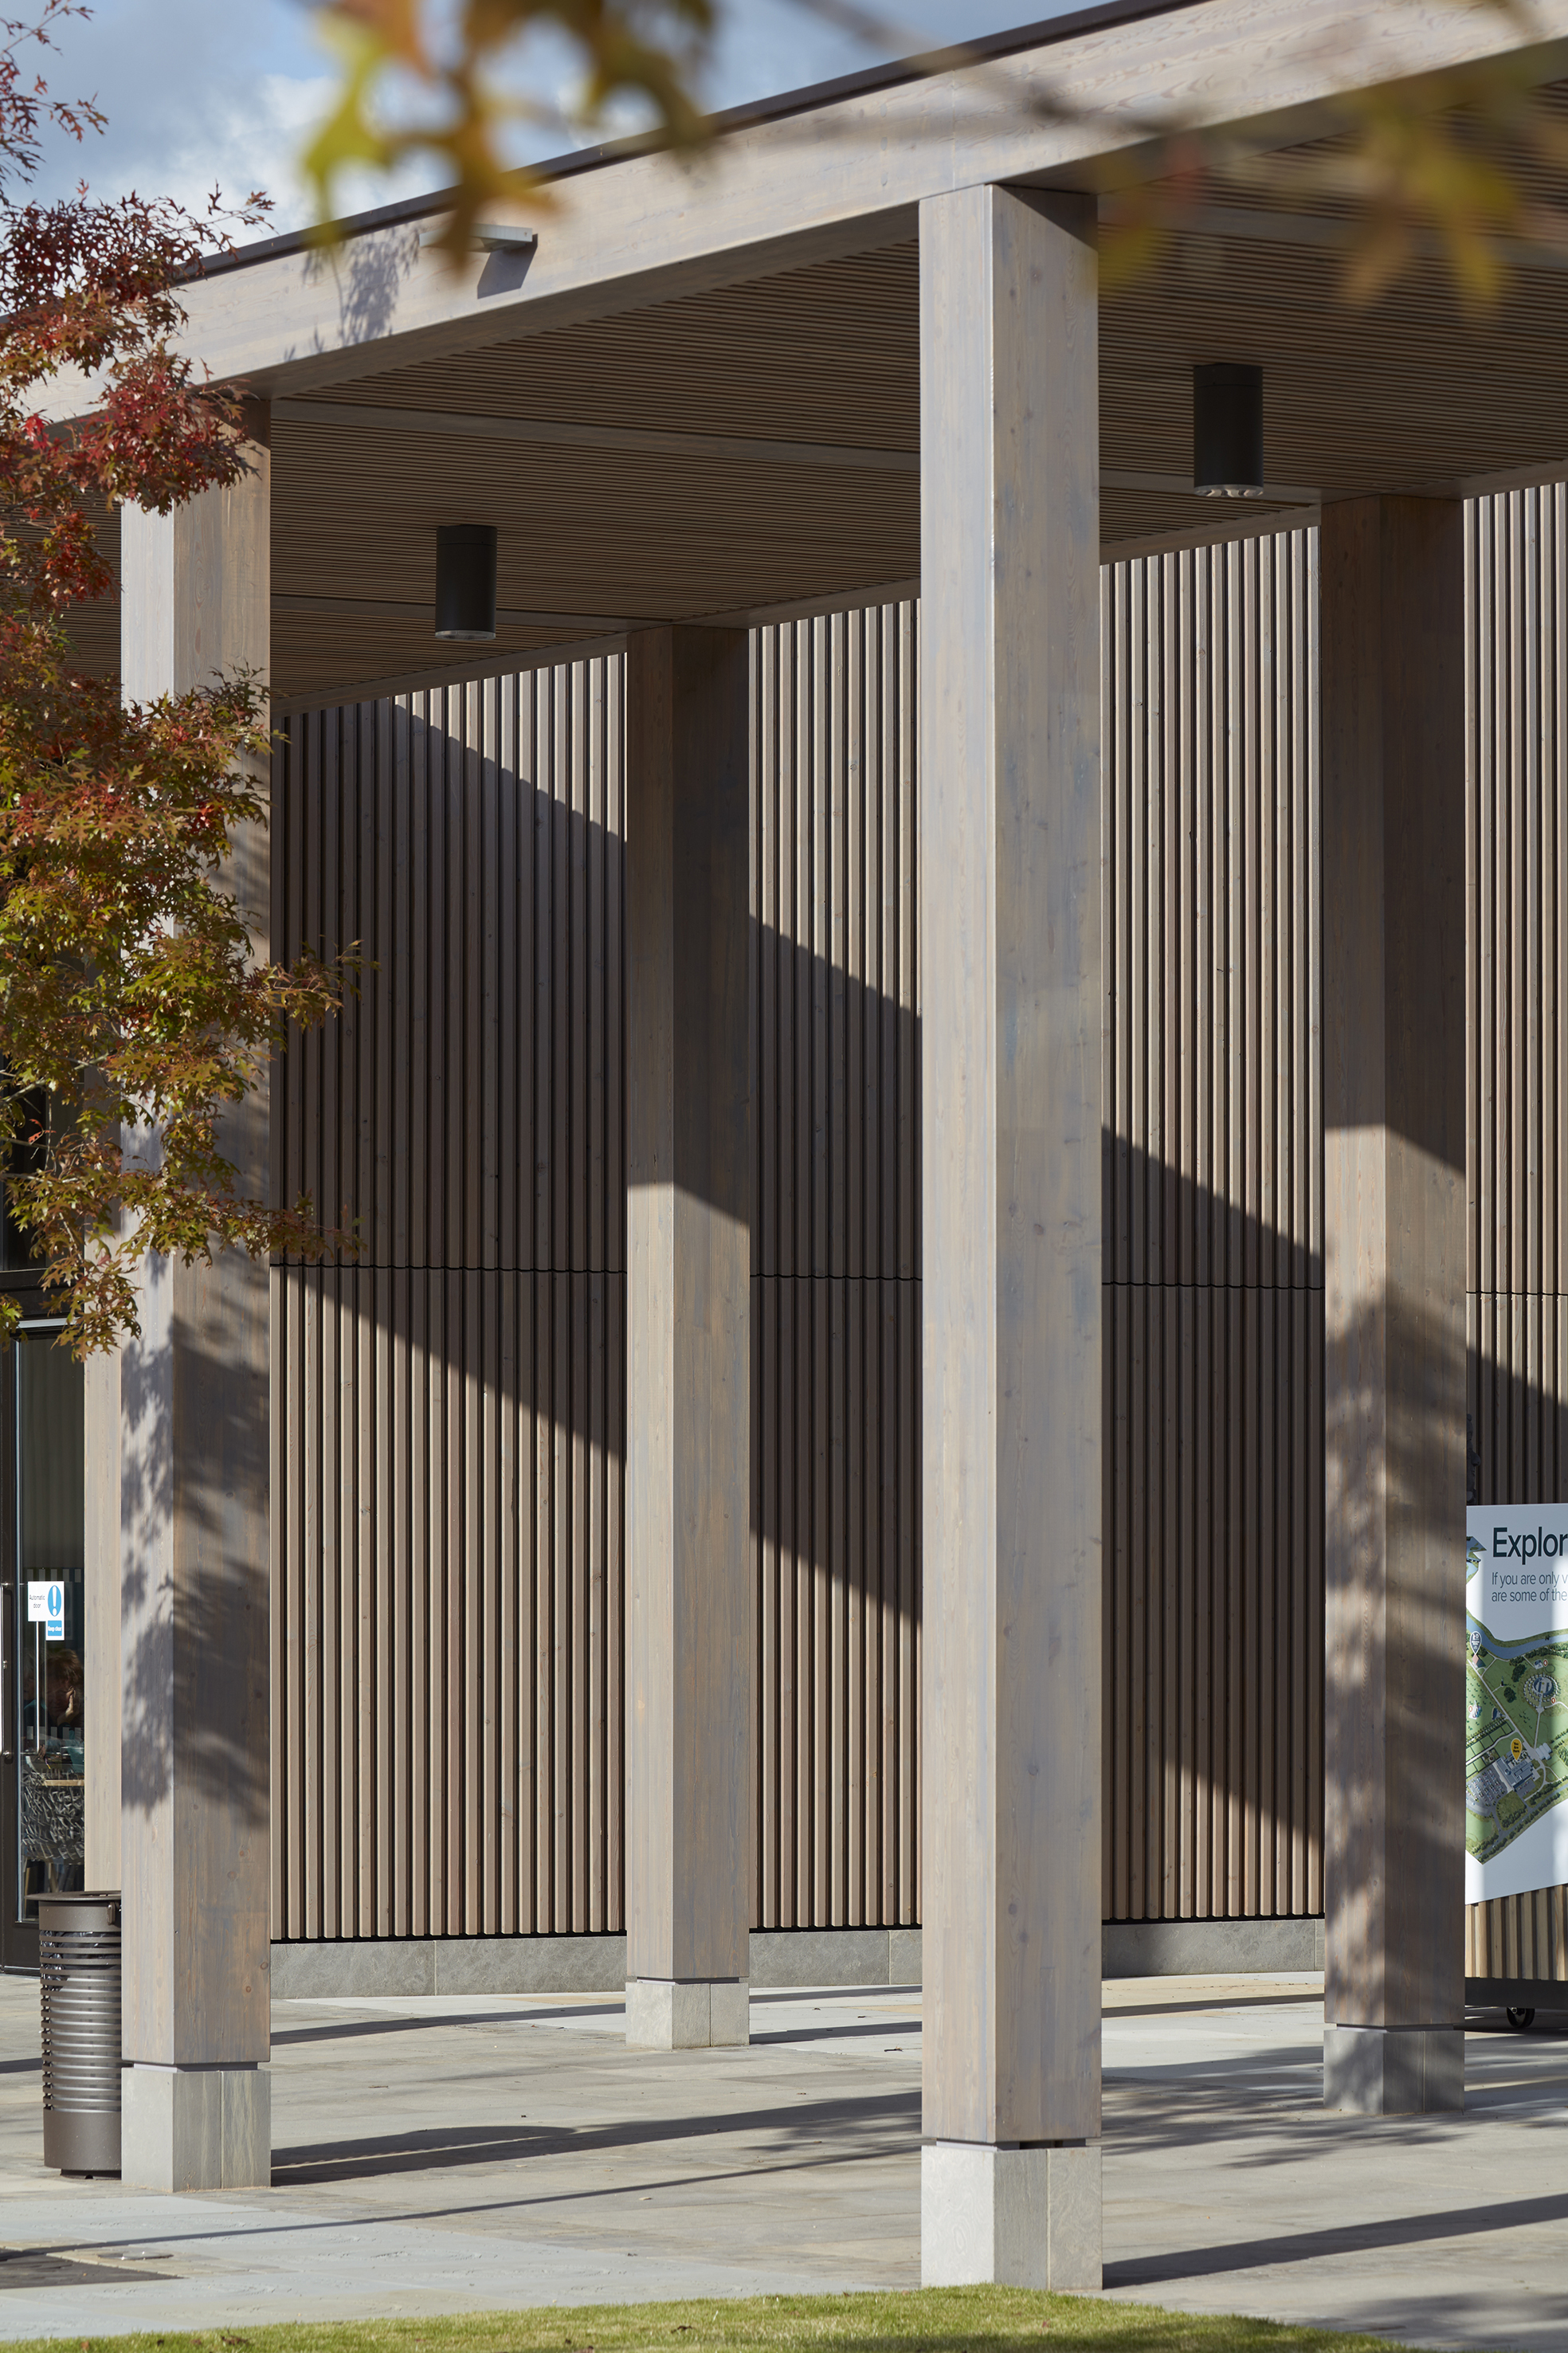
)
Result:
{"points": [[78, 1983]]}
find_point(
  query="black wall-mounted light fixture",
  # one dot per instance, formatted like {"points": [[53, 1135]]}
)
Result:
{"points": [[465, 581], [1227, 432]]}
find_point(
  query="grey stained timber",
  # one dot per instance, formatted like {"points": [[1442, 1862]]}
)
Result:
{"points": [[1213, 1528], [1009, 801], [191, 1401], [1394, 1118], [687, 1276]]}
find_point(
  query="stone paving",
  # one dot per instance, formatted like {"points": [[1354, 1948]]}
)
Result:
{"points": [[451, 2153]]}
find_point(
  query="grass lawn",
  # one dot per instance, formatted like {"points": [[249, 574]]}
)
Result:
{"points": [[947, 2320]]}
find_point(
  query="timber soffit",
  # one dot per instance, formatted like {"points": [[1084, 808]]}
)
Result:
{"points": [[710, 455]]}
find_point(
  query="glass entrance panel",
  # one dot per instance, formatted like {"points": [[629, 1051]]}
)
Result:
{"points": [[49, 1631]]}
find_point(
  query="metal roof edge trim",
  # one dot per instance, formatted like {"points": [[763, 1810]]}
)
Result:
{"points": [[927, 64]]}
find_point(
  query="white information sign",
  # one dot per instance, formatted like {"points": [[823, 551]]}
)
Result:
{"points": [[46, 1607], [1516, 1699]]}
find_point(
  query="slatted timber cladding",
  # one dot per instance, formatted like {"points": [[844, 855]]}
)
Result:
{"points": [[1214, 1321], [1517, 1066], [836, 1264], [446, 1412], [450, 1447]]}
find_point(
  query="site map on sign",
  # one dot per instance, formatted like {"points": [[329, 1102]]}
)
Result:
{"points": [[1516, 1700]]}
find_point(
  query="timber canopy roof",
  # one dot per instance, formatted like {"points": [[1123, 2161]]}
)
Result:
{"points": [[699, 396]]}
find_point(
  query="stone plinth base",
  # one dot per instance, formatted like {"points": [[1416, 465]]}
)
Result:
{"points": [[195, 2129], [1394, 2071], [683, 2014], [1024, 2217]]}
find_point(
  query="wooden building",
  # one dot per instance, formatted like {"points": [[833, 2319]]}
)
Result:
{"points": [[909, 1363]]}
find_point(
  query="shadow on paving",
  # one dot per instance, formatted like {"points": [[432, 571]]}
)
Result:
{"points": [[1155, 2106], [831, 2033], [1266, 2124], [1350, 2238], [709, 2177], [1229, 2068], [874, 1991], [24, 2267], [1215, 2007], [894, 2117], [457, 2024]]}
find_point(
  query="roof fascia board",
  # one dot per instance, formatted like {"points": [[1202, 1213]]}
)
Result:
{"points": [[841, 178]]}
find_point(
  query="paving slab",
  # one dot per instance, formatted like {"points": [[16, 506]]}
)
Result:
{"points": [[444, 2154], [1229, 2188], [462, 2152]]}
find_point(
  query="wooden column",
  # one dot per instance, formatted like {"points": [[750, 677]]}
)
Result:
{"points": [[1393, 651], [1009, 786], [192, 1402], [689, 1378]]}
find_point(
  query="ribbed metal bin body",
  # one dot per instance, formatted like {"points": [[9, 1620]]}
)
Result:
{"points": [[79, 1978]]}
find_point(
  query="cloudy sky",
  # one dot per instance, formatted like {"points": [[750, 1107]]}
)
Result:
{"points": [[205, 92]]}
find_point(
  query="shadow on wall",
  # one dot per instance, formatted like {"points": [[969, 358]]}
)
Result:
{"points": [[1394, 1483], [450, 1579], [1213, 1556], [451, 1543], [1518, 1397], [1218, 1470], [368, 276], [451, 1555], [193, 1628]]}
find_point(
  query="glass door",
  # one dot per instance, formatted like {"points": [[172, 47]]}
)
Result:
{"points": [[42, 1637]]}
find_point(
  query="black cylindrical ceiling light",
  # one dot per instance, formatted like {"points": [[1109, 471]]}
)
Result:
{"points": [[465, 581], [1227, 432]]}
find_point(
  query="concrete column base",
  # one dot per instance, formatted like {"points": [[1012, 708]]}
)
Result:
{"points": [[688, 2014], [1022, 2217], [195, 2129], [1394, 2071]]}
